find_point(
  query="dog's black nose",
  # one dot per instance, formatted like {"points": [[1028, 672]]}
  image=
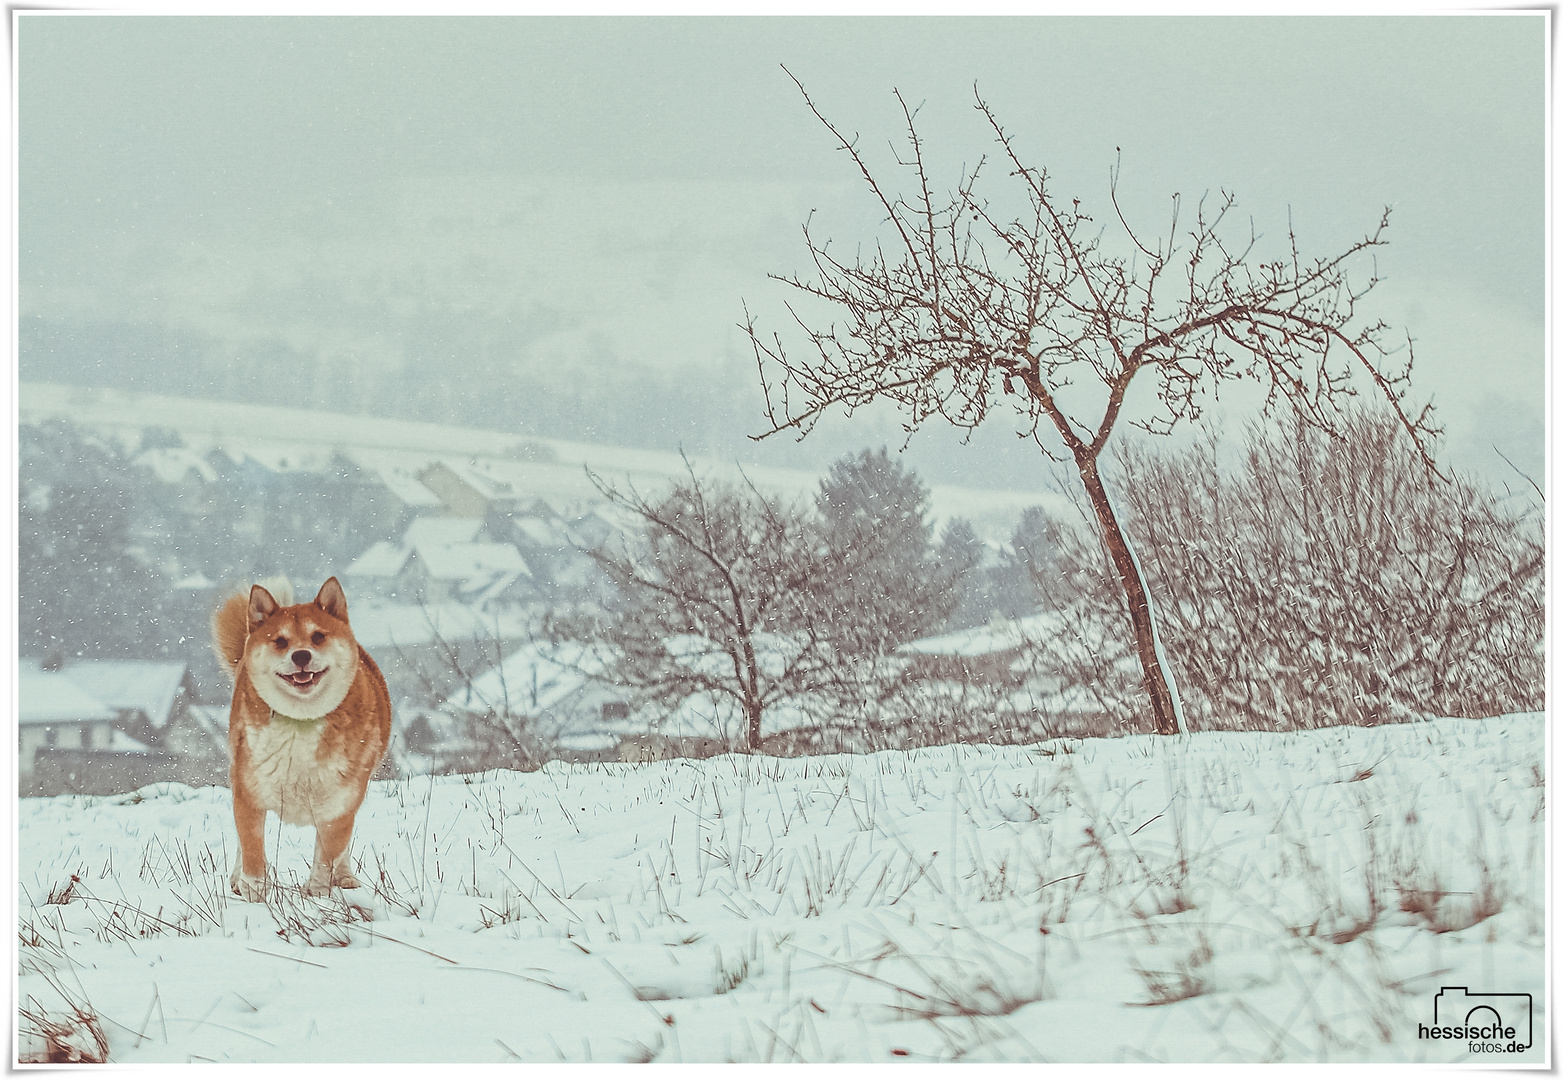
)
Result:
{"points": [[301, 658]]}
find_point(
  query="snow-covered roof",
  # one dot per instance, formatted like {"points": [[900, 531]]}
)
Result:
{"points": [[543, 533], [536, 507], [433, 529], [383, 559], [399, 480], [124, 744], [212, 719], [130, 684], [466, 562], [49, 697], [617, 518], [378, 625], [536, 678], [481, 592], [998, 636], [284, 456], [447, 552], [481, 477], [463, 561], [171, 464]]}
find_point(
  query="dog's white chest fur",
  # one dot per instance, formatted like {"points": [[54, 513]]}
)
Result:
{"points": [[288, 778]]}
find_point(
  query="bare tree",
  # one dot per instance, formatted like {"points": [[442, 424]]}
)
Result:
{"points": [[968, 307], [714, 598]]}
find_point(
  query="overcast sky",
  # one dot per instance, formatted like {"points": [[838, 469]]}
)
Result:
{"points": [[337, 180]]}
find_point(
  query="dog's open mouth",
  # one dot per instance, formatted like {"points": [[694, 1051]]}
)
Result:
{"points": [[302, 680]]}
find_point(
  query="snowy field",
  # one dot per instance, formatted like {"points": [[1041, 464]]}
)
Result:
{"points": [[1214, 897]]}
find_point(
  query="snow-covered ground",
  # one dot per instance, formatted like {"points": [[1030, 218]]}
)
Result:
{"points": [[1214, 897]]}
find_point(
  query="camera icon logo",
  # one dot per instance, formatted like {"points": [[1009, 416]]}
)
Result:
{"points": [[1496, 1021]]}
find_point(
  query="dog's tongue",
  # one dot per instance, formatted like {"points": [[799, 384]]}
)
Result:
{"points": [[302, 678]]}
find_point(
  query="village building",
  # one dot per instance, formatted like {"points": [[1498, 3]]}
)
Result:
{"points": [[441, 560], [102, 727], [467, 489], [430, 651]]}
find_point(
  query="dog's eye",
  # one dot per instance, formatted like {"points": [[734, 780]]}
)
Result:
{"points": [[317, 637], [281, 643]]}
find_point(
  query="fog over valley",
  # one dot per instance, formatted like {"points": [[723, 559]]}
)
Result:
{"points": [[557, 227]]}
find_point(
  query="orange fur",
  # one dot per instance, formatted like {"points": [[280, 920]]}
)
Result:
{"points": [[304, 735], [229, 629]]}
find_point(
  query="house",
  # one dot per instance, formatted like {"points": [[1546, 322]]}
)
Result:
{"points": [[709, 723], [56, 713], [178, 467], [430, 651], [477, 573], [154, 702], [442, 559], [105, 727], [378, 572], [468, 489], [543, 701], [398, 495], [249, 484], [556, 549]]}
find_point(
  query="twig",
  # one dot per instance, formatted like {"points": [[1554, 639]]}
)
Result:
{"points": [[295, 959]]}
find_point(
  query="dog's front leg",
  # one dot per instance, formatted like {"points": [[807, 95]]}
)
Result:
{"points": [[249, 876], [330, 866]]}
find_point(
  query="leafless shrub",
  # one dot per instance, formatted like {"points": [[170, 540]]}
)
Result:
{"points": [[1185, 980], [322, 921], [71, 1034], [1320, 581]]}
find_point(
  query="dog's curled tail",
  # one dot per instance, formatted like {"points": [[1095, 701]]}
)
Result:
{"points": [[231, 621]]}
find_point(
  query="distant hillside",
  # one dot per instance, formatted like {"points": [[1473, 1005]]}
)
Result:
{"points": [[292, 439]]}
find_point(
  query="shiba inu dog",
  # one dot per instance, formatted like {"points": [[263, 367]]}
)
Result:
{"points": [[311, 718]]}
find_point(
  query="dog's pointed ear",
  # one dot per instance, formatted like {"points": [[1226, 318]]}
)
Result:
{"points": [[332, 600], [262, 604]]}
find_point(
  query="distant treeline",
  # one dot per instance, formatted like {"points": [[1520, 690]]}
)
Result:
{"points": [[472, 376]]}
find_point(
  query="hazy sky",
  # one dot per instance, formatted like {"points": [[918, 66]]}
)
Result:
{"points": [[622, 186]]}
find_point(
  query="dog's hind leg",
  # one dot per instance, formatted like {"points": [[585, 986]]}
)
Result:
{"points": [[331, 861]]}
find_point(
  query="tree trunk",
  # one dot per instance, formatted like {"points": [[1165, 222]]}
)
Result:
{"points": [[1164, 711], [751, 688], [752, 707]]}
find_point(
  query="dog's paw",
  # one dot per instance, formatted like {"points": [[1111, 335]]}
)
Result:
{"points": [[320, 884], [252, 889]]}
